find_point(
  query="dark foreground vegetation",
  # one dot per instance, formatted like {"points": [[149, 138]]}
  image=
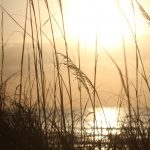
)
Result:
{"points": [[21, 129], [35, 116]]}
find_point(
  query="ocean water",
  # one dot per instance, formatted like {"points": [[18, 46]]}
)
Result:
{"points": [[109, 120]]}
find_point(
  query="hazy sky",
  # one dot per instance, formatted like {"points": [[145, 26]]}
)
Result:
{"points": [[83, 19], [80, 18]]}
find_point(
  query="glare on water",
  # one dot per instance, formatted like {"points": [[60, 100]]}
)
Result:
{"points": [[107, 120]]}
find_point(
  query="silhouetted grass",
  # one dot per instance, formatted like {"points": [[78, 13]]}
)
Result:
{"points": [[36, 116]]}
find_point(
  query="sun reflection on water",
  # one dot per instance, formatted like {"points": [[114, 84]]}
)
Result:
{"points": [[107, 120]]}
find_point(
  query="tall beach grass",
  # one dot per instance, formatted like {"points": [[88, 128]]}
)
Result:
{"points": [[40, 114]]}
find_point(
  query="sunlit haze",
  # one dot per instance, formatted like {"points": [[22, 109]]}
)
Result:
{"points": [[88, 24]]}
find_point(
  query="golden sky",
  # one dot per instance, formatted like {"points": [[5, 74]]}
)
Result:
{"points": [[84, 20]]}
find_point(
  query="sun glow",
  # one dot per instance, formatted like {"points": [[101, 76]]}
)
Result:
{"points": [[88, 19], [106, 118]]}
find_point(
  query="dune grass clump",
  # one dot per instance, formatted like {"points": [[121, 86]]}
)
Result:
{"points": [[20, 128]]}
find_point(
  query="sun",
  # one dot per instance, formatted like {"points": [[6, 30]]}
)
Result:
{"points": [[101, 19]]}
